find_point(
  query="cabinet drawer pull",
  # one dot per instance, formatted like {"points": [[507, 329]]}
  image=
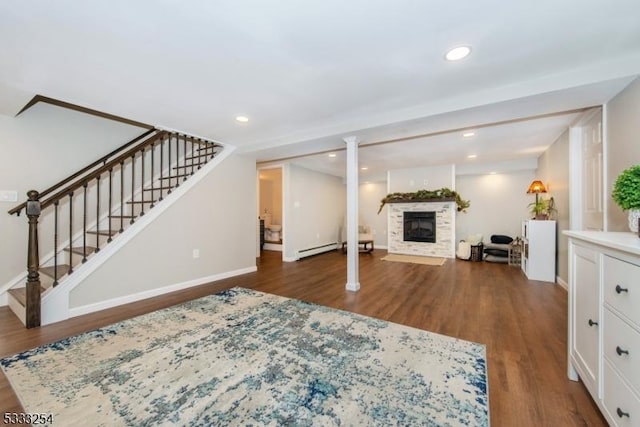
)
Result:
{"points": [[622, 414], [621, 351], [620, 289], [592, 323]]}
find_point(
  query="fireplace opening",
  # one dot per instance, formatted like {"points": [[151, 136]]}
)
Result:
{"points": [[420, 227]]}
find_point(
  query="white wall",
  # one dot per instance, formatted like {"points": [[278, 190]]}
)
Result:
{"points": [[315, 208], [498, 204], [427, 178], [42, 146], [217, 219], [553, 171], [368, 204], [623, 139]]}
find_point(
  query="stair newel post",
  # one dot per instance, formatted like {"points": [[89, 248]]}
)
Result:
{"points": [[133, 185], [97, 217], [84, 224], [121, 197], [33, 262], [110, 202], [55, 242], [142, 181]]}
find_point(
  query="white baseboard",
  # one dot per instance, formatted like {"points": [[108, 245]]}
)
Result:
{"points": [[103, 305], [564, 285]]}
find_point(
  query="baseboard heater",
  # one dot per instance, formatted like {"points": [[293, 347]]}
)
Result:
{"points": [[317, 250]]}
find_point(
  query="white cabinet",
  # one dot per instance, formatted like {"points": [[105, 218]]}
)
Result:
{"points": [[604, 321], [538, 259], [585, 328]]}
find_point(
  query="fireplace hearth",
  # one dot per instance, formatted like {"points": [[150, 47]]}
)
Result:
{"points": [[420, 227]]}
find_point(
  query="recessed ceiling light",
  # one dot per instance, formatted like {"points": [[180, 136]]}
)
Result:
{"points": [[458, 53], [242, 119], [492, 173], [472, 156], [468, 134], [364, 168], [332, 154]]}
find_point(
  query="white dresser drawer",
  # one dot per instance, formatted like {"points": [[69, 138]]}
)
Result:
{"points": [[621, 404], [621, 287], [622, 347]]}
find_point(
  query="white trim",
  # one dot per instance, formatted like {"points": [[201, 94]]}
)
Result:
{"points": [[103, 305], [289, 259], [320, 249], [564, 285]]}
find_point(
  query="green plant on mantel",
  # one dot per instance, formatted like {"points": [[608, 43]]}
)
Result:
{"points": [[626, 190], [427, 195]]}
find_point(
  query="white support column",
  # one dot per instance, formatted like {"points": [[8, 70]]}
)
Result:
{"points": [[353, 283]]}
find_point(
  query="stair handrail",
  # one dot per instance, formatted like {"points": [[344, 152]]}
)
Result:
{"points": [[104, 168], [103, 160]]}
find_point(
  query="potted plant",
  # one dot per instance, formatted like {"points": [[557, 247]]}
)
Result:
{"points": [[539, 209], [626, 194]]}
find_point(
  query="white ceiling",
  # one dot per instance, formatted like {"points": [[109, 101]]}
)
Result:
{"points": [[308, 73]]}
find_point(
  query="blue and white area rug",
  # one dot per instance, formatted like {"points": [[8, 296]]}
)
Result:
{"points": [[243, 357]]}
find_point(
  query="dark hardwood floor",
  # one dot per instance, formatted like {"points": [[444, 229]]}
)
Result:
{"points": [[523, 324]]}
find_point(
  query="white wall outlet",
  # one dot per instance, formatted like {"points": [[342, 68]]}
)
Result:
{"points": [[196, 253], [374, 232], [8, 196], [296, 204], [317, 235], [426, 182]]}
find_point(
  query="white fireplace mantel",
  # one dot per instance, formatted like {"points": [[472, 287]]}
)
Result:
{"points": [[445, 229]]}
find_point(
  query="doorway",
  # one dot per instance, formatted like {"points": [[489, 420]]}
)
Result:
{"points": [[270, 202]]}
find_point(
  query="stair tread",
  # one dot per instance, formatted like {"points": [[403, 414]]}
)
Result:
{"points": [[103, 232], [175, 176], [189, 165], [158, 188], [199, 156], [88, 250], [20, 294], [49, 271]]}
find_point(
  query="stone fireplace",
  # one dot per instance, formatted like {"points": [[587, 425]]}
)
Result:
{"points": [[422, 228]]}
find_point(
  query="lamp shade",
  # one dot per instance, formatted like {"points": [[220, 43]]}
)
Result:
{"points": [[536, 187]]}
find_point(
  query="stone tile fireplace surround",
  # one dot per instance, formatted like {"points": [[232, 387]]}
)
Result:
{"points": [[445, 229]]}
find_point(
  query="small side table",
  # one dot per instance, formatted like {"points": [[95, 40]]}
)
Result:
{"points": [[364, 249], [515, 253]]}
